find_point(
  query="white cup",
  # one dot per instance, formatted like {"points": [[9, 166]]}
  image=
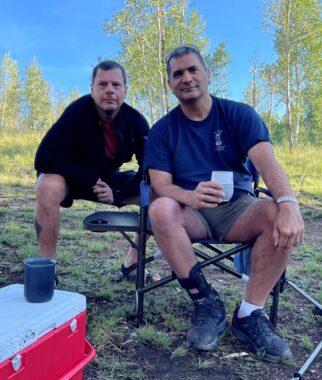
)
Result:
{"points": [[226, 179]]}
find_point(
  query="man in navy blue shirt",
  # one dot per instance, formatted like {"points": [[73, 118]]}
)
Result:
{"points": [[203, 134]]}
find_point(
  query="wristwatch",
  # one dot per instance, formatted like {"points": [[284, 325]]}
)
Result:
{"points": [[286, 198]]}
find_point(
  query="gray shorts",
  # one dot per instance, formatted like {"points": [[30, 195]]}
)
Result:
{"points": [[219, 220]]}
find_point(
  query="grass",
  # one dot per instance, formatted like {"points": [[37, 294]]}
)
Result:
{"points": [[88, 264], [304, 168], [179, 352], [199, 363], [17, 152], [158, 338], [307, 343]]}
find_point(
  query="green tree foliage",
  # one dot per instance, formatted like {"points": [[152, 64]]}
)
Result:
{"points": [[37, 112], [254, 93], [313, 111], [10, 99], [270, 80], [262, 94], [218, 63], [277, 128], [297, 29], [73, 95], [60, 101], [29, 102], [147, 30]]}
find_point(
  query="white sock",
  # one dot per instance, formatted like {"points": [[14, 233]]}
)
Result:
{"points": [[245, 309]]}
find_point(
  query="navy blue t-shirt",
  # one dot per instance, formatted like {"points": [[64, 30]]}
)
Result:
{"points": [[191, 150]]}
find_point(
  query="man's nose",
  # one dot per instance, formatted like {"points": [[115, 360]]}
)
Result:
{"points": [[186, 76], [109, 88]]}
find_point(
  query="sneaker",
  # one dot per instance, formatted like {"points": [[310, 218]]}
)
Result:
{"points": [[257, 331], [207, 323]]}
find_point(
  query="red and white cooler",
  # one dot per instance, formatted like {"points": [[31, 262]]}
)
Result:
{"points": [[43, 341]]}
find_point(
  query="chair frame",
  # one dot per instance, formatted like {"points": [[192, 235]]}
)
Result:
{"points": [[124, 222], [141, 288]]}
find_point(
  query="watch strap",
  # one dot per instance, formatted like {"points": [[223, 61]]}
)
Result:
{"points": [[286, 198]]}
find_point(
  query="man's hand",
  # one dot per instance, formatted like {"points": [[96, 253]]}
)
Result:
{"points": [[289, 226], [206, 195], [103, 191]]}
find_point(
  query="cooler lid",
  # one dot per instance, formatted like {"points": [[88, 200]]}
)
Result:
{"points": [[22, 323]]}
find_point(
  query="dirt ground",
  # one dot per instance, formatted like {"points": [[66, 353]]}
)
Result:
{"points": [[231, 360], [123, 355]]}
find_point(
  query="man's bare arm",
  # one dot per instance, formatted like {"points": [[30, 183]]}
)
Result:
{"points": [[289, 225], [262, 156]]}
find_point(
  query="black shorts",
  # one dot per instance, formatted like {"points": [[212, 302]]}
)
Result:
{"points": [[116, 181]]}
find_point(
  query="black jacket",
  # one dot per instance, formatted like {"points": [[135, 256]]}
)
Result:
{"points": [[74, 146]]}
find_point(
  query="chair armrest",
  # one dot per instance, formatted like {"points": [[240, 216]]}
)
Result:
{"points": [[262, 190]]}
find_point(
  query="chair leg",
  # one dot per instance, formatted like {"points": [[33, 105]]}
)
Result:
{"points": [[139, 307], [317, 306], [275, 301], [141, 265], [317, 310], [140, 295], [140, 284], [300, 373]]}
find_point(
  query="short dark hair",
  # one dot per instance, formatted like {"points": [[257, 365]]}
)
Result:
{"points": [[184, 50], [108, 65]]}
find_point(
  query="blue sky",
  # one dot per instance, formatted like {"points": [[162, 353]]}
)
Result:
{"points": [[66, 36]]}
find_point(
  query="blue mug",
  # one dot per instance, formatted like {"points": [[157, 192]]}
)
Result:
{"points": [[39, 279]]}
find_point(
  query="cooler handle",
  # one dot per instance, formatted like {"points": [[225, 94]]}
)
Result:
{"points": [[89, 355]]}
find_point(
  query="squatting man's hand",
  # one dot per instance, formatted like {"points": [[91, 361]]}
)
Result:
{"points": [[103, 191], [206, 195]]}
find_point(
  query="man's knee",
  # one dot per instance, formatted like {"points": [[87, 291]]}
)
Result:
{"points": [[50, 189], [267, 215], [261, 221], [262, 215], [257, 220], [163, 210]]}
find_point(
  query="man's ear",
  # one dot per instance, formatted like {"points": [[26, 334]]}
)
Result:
{"points": [[169, 84], [209, 75]]}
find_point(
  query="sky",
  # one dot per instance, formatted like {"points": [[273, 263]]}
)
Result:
{"points": [[67, 38]]}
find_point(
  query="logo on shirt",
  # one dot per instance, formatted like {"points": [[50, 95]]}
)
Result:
{"points": [[218, 140]]}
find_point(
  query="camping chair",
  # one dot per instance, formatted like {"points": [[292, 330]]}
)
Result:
{"points": [[235, 254], [124, 222]]}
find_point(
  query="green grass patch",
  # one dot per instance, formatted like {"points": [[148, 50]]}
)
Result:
{"points": [[307, 343], [199, 363], [158, 338]]}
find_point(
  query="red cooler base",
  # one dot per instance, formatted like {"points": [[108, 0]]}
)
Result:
{"points": [[61, 353]]}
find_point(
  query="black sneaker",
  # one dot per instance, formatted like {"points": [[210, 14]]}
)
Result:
{"points": [[257, 331], [207, 323]]}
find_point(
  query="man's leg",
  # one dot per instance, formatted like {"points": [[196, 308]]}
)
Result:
{"points": [[51, 189], [174, 226], [250, 325], [268, 263], [132, 254]]}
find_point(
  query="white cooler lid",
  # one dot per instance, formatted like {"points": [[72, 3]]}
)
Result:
{"points": [[22, 322]]}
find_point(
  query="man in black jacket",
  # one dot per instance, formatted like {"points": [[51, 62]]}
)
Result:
{"points": [[80, 155]]}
